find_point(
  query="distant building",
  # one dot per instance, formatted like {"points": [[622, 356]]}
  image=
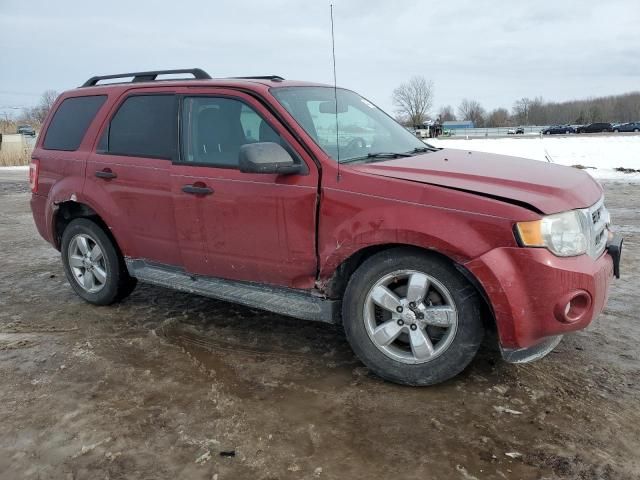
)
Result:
{"points": [[453, 125]]}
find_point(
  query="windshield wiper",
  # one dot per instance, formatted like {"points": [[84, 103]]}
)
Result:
{"points": [[428, 148], [387, 155], [377, 155]]}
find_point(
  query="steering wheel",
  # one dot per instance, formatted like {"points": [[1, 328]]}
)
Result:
{"points": [[356, 143]]}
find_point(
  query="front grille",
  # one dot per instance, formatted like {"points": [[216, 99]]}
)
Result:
{"points": [[597, 217]]}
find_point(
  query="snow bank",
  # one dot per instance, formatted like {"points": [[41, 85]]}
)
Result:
{"points": [[600, 154]]}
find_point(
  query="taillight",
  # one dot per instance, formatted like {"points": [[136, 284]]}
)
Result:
{"points": [[34, 170]]}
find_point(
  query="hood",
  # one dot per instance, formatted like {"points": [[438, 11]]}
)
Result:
{"points": [[540, 186]]}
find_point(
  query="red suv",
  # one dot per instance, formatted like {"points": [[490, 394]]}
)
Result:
{"points": [[311, 202]]}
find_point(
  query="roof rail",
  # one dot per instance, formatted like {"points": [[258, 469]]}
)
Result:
{"points": [[197, 73], [274, 78]]}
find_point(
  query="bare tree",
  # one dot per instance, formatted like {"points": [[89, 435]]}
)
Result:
{"points": [[521, 111], [37, 114], [446, 114], [471, 110], [402, 119], [413, 99], [498, 118]]}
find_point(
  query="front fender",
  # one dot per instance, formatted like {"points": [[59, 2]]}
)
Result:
{"points": [[348, 225]]}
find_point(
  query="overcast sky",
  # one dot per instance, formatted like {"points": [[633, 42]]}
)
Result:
{"points": [[492, 51]]}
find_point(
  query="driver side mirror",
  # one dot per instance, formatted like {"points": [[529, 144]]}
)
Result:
{"points": [[267, 157]]}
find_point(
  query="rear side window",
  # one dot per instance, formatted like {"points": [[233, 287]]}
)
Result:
{"points": [[143, 126], [71, 121]]}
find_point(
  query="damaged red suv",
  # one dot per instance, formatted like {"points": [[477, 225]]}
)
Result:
{"points": [[311, 202]]}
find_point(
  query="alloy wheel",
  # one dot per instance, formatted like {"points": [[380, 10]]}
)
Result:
{"points": [[410, 316], [87, 263]]}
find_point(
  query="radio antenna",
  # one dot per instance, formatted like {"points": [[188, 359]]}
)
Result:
{"points": [[335, 89]]}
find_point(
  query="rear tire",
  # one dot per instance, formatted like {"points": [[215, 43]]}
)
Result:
{"points": [[93, 265], [390, 340]]}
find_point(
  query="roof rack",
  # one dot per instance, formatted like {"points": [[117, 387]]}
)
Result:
{"points": [[197, 73], [274, 78]]}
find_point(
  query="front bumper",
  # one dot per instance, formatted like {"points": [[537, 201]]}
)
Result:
{"points": [[529, 289]]}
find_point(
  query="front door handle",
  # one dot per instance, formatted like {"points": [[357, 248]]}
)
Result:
{"points": [[106, 174], [195, 190]]}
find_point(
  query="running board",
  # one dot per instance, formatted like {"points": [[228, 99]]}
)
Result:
{"points": [[284, 301]]}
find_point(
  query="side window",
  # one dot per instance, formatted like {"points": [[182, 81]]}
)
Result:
{"points": [[143, 126], [214, 129], [71, 121]]}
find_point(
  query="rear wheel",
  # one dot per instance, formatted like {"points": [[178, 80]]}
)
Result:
{"points": [[412, 318], [93, 266]]}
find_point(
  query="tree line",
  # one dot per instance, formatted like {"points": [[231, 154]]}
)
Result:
{"points": [[413, 101]]}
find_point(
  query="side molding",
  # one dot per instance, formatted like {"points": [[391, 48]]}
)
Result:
{"points": [[281, 300]]}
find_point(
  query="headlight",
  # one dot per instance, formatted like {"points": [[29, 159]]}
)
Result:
{"points": [[564, 234]]}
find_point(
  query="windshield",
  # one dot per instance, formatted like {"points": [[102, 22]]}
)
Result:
{"points": [[363, 130]]}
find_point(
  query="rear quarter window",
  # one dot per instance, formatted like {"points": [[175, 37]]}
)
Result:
{"points": [[71, 121]]}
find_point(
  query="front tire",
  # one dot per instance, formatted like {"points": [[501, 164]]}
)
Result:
{"points": [[94, 268], [412, 318]]}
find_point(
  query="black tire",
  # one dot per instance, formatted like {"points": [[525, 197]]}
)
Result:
{"points": [[118, 284], [451, 361]]}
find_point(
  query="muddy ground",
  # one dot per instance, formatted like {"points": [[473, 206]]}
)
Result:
{"points": [[171, 385]]}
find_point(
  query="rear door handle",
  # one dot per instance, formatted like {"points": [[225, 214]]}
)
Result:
{"points": [[106, 174], [194, 190]]}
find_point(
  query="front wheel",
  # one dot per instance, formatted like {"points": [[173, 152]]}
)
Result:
{"points": [[412, 318], [93, 266]]}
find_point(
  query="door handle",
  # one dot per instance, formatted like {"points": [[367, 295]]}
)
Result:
{"points": [[107, 174], [194, 190]]}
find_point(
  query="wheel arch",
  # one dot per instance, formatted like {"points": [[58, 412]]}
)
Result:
{"points": [[70, 210], [335, 285]]}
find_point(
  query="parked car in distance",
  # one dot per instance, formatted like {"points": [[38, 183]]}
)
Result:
{"points": [[236, 189], [558, 129], [516, 131], [595, 128], [26, 130], [627, 127]]}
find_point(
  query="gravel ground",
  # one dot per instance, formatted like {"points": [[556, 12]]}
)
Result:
{"points": [[171, 385]]}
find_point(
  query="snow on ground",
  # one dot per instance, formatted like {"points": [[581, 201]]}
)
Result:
{"points": [[16, 168], [601, 154]]}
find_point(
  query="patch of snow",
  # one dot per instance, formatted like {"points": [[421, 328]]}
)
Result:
{"points": [[23, 168], [600, 154]]}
